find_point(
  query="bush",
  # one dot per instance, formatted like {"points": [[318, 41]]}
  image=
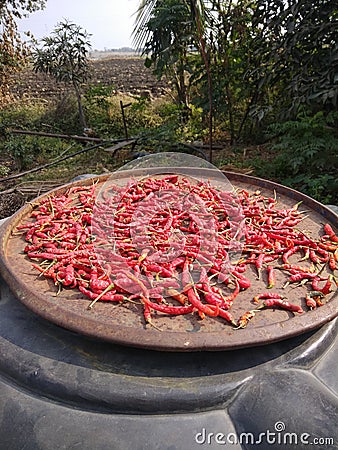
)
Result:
{"points": [[31, 151], [62, 116], [305, 156], [20, 114]]}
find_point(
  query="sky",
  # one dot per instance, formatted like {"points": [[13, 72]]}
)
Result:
{"points": [[110, 22]]}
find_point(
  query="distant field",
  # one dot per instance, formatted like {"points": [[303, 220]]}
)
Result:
{"points": [[98, 54], [124, 71]]}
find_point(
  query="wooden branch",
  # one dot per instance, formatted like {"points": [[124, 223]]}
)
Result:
{"points": [[55, 135], [32, 187], [44, 166], [120, 145]]}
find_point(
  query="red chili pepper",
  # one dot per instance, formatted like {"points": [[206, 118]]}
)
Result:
{"points": [[292, 267], [270, 258], [181, 298], [271, 277], [152, 267], [229, 299], [301, 276], [310, 302], [329, 231], [104, 296], [245, 319], [26, 225], [227, 316], [314, 257], [289, 253], [243, 282], [48, 273], [99, 285], [332, 262], [63, 229], [147, 313], [267, 295], [222, 277], [124, 284], [66, 276], [327, 287], [259, 264], [209, 310], [315, 283], [211, 297], [328, 247], [283, 304], [168, 309]]}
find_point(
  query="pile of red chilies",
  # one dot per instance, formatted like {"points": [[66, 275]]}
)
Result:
{"points": [[164, 242]]}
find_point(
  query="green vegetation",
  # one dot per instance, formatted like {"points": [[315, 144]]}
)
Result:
{"points": [[14, 51], [301, 154], [254, 81], [64, 56], [306, 156]]}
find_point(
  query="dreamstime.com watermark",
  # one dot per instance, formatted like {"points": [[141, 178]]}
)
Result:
{"points": [[277, 437]]}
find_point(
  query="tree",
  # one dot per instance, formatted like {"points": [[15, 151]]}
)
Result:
{"points": [[163, 32], [172, 34], [297, 46], [226, 50], [258, 60], [13, 51], [64, 56]]}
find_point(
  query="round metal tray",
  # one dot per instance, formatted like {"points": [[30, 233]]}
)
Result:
{"points": [[123, 324]]}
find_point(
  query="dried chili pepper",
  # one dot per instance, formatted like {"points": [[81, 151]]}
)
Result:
{"points": [[168, 309], [245, 319], [64, 238], [332, 262], [276, 302], [330, 233], [271, 277], [267, 295]]}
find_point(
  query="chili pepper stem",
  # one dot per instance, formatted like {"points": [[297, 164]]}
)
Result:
{"points": [[260, 307], [150, 322], [109, 288], [301, 283], [321, 269], [48, 267], [59, 289], [316, 294], [132, 301]]}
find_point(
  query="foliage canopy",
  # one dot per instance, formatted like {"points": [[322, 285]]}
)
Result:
{"points": [[64, 56], [13, 51], [265, 59]]}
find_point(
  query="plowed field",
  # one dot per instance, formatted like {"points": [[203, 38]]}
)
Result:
{"points": [[124, 74]]}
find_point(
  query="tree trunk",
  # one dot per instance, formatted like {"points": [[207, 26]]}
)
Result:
{"points": [[79, 104]]}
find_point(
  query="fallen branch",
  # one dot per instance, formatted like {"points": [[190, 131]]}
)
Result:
{"points": [[44, 166], [55, 135], [32, 187]]}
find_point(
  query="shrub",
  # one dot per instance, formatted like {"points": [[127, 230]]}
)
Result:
{"points": [[306, 156]]}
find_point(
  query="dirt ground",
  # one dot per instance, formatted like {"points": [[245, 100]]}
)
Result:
{"points": [[124, 74]]}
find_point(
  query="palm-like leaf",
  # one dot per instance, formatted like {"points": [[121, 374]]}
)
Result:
{"points": [[144, 13]]}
